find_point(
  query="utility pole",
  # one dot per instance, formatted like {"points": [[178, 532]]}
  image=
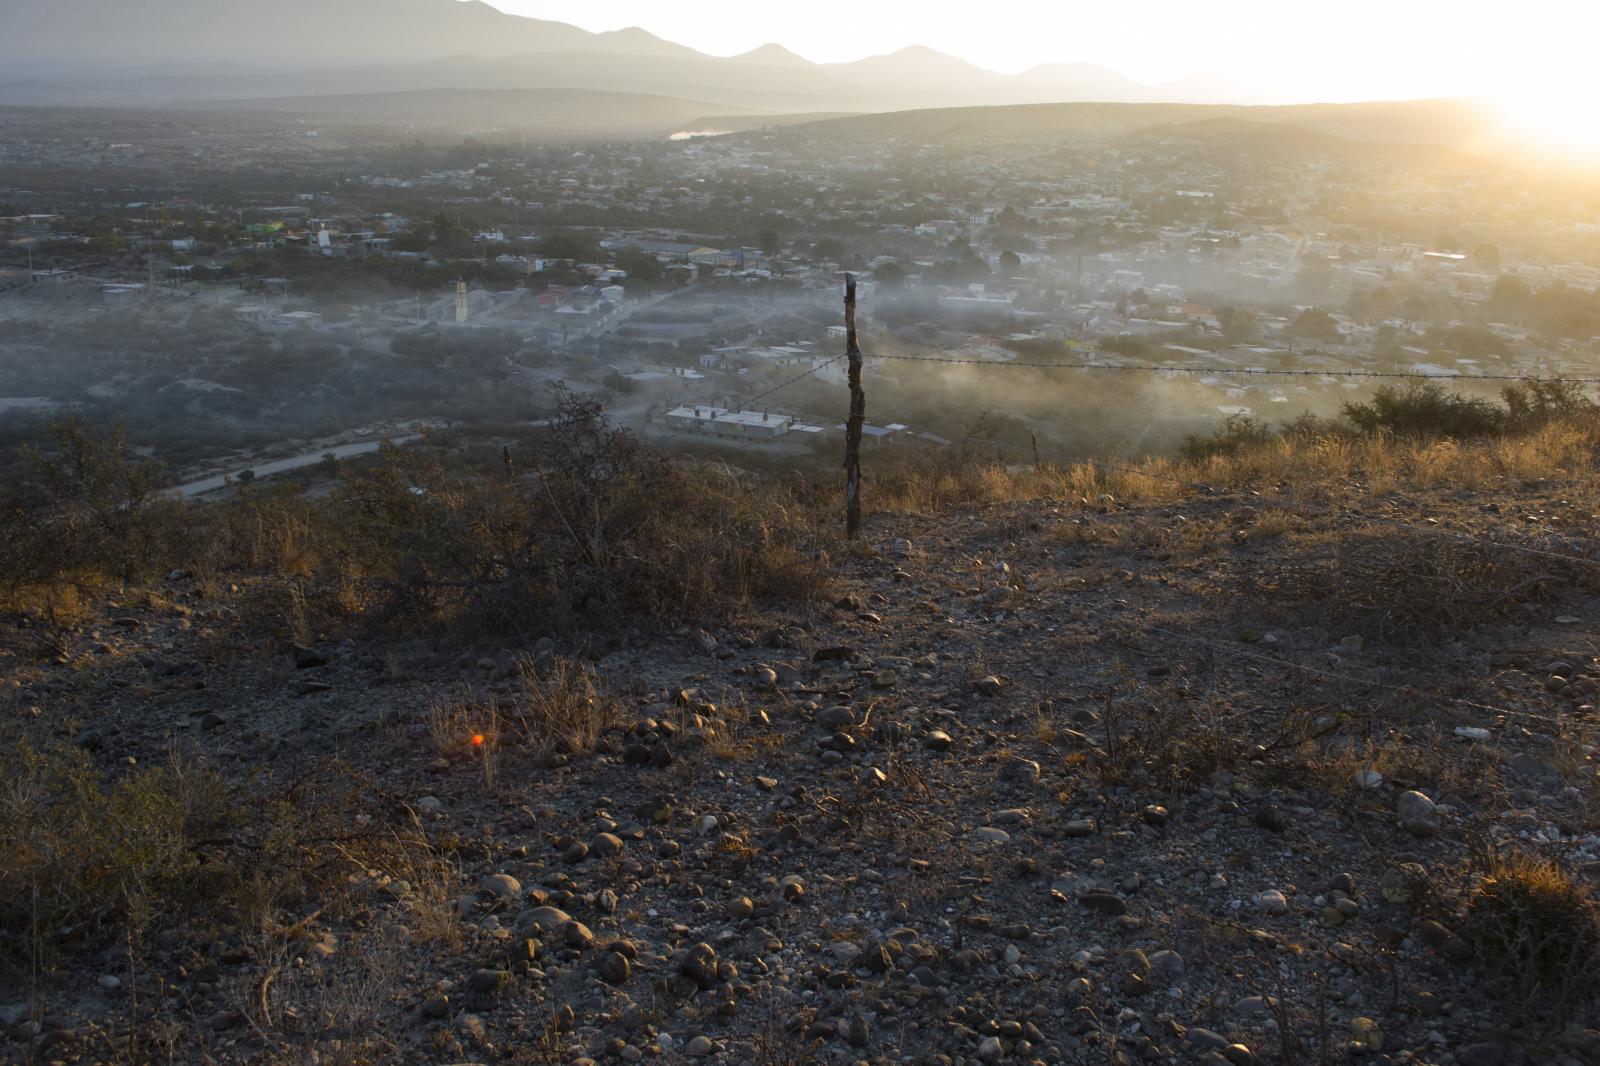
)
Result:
{"points": [[858, 414]]}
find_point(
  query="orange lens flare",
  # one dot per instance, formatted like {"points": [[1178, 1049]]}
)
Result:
{"points": [[477, 740]]}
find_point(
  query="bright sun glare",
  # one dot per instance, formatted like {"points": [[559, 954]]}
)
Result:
{"points": [[1558, 116]]}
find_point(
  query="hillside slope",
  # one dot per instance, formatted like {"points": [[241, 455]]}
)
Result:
{"points": [[1189, 764], [1461, 125]]}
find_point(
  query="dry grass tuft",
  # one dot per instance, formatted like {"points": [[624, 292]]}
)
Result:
{"points": [[462, 727], [563, 710], [1535, 926], [1147, 741]]}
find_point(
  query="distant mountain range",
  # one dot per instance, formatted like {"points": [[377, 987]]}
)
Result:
{"points": [[464, 66], [162, 52]]}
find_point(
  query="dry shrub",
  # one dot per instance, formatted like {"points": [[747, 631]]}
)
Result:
{"points": [[79, 855], [1400, 744], [563, 710], [328, 824], [322, 1014], [274, 530], [1314, 456], [1153, 742], [87, 513], [728, 735], [597, 528], [86, 858], [1394, 584], [1534, 926]]}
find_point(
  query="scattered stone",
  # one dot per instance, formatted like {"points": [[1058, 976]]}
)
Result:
{"points": [[1239, 1055], [1365, 1035], [1270, 817], [1484, 1054], [489, 982], [549, 918], [308, 658], [699, 963], [502, 885], [1272, 901], [614, 968], [1417, 813], [1104, 903], [1020, 771], [836, 718], [1168, 966]]}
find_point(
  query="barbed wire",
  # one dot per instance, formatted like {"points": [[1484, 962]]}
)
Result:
{"points": [[797, 378], [1156, 368], [1130, 470]]}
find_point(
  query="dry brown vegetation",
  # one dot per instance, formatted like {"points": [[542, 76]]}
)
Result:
{"points": [[1356, 469], [563, 710], [1536, 927], [602, 534], [89, 859], [598, 528]]}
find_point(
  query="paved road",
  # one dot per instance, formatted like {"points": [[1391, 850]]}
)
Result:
{"points": [[282, 466]]}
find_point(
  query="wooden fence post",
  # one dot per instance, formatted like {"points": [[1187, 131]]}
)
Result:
{"points": [[858, 414]]}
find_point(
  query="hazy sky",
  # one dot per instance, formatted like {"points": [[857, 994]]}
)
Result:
{"points": [[1349, 49]]}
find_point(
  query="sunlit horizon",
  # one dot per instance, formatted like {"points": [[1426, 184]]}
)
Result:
{"points": [[1241, 51], [1434, 49]]}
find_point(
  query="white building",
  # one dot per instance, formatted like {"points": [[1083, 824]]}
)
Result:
{"points": [[695, 419], [721, 422], [761, 424]]}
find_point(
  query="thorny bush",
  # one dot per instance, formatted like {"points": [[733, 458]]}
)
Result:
{"points": [[598, 527]]}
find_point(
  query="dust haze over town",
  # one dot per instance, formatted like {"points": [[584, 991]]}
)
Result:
{"points": [[427, 417], [275, 254]]}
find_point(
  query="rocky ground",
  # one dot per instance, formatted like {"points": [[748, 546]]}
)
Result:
{"points": [[1058, 782]]}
